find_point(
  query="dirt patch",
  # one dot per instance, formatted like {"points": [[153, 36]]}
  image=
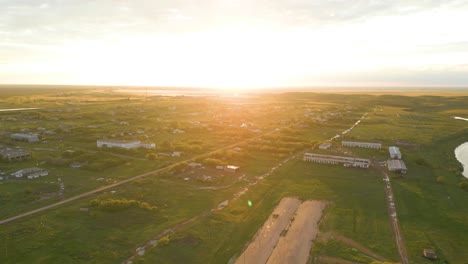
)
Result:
{"points": [[261, 247], [295, 245], [287, 235]]}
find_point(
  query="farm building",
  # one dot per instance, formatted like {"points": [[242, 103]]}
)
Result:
{"points": [[396, 165], [231, 168], [361, 144], [25, 137], [14, 154], [124, 144], [394, 152], [30, 173], [325, 145], [329, 159]]}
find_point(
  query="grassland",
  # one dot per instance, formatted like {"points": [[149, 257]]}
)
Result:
{"points": [[268, 129]]}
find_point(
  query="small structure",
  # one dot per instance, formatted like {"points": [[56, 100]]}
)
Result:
{"points": [[148, 145], [195, 165], [361, 144], [394, 152], [231, 168], [14, 154], [429, 254], [223, 204], [329, 159], [30, 173], [176, 154], [219, 167], [396, 165], [325, 145], [75, 165], [25, 137]]}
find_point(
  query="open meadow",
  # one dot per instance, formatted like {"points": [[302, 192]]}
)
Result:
{"points": [[191, 209]]}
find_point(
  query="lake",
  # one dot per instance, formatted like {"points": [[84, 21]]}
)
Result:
{"points": [[461, 152]]}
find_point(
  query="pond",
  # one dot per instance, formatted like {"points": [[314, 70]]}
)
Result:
{"points": [[461, 152]]}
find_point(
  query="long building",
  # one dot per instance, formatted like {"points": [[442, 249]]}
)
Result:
{"points": [[14, 154], [361, 144], [25, 137], [30, 173], [329, 159], [124, 144], [394, 152]]}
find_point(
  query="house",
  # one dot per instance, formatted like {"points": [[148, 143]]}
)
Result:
{"points": [[220, 167], [394, 152], [231, 168], [396, 165], [195, 165], [14, 154], [325, 145], [25, 137], [30, 173], [361, 144], [429, 254], [148, 145], [330, 159], [176, 154]]}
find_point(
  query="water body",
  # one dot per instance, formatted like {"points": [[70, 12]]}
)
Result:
{"points": [[460, 118], [17, 109], [461, 152]]}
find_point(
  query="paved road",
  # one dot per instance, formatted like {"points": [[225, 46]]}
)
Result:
{"points": [[104, 188], [393, 219]]}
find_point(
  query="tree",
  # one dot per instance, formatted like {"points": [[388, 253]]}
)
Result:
{"points": [[152, 156]]}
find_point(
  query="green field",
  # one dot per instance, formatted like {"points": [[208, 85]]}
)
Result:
{"points": [[109, 226]]}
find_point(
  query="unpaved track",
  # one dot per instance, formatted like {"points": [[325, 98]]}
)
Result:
{"points": [[333, 260], [294, 247], [261, 247], [393, 219]]}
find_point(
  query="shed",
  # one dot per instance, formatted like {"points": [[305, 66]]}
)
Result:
{"points": [[231, 168]]}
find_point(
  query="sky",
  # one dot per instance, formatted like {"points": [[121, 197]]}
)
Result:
{"points": [[235, 43]]}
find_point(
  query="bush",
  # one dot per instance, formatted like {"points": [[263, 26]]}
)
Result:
{"points": [[164, 241], [440, 179]]}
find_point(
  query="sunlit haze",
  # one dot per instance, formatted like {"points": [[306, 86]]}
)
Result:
{"points": [[235, 44]]}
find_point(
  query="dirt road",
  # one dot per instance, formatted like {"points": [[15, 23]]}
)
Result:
{"points": [[393, 219], [261, 247], [294, 247]]}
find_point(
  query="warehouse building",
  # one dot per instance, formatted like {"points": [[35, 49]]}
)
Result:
{"points": [[30, 173], [25, 137], [124, 144], [329, 159], [396, 165], [14, 154], [231, 168], [361, 144], [394, 152]]}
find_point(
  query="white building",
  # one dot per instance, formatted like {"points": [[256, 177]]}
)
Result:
{"points": [[25, 137], [361, 144], [396, 165], [394, 152], [124, 144], [325, 145], [30, 173], [329, 159]]}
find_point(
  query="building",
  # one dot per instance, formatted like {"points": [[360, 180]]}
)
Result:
{"points": [[396, 165], [148, 145], [30, 173], [329, 159], [361, 144], [219, 167], [429, 254], [325, 145], [25, 137], [118, 144], [231, 168], [14, 154], [394, 152]]}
